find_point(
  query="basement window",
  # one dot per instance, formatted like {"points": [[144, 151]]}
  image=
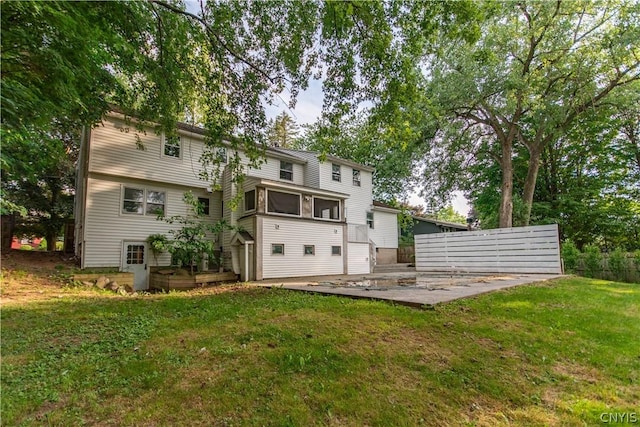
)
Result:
{"points": [[336, 250], [309, 249], [277, 249]]}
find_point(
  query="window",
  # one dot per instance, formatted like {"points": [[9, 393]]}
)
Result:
{"points": [[283, 203], [249, 200], [135, 254], [140, 201], [286, 170], [356, 177], [326, 209], [221, 154], [370, 219], [133, 201], [172, 146], [336, 250], [309, 249], [277, 249], [335, 172], [204, 204]]}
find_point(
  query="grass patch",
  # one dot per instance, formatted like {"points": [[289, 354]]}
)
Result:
{"points": [[557, 353]]}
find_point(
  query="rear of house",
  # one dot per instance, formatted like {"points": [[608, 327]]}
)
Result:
{"points": [[298, 216]]}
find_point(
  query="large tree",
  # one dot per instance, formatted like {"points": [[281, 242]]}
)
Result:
{"points": [[537, 69], [282, 131]]}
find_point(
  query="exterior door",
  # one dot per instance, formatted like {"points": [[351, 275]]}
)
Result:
{"points": [[134, 260]]}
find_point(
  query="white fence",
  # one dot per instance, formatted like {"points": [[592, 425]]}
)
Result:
{"points": [[534, 249]]}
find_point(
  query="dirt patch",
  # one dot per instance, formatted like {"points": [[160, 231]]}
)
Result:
{"points": [[37, 261]]}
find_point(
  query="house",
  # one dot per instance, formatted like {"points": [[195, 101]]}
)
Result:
{"points": [[422, 225], [299, 216]]}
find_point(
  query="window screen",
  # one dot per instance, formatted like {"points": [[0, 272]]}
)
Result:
{"points": [[326, 209], [285, 203], [249, 200]]}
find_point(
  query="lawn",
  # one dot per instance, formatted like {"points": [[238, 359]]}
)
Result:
{"points": [[556, 353]]}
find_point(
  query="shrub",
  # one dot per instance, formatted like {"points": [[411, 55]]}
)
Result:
{"points": [[636, 259], [570, 255], [592, 260], [617, 263], [157, 245], [26, 248]]}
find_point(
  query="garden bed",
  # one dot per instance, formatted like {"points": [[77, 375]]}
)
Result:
{"points": [[169, 282]]}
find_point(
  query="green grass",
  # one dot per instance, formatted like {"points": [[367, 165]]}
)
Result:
{"points": [[558, 353]]}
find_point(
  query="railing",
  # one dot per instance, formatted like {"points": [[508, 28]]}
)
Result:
{"points": [[358, 233]]}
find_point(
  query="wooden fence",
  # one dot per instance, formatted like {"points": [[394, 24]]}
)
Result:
{"points": [[534, 249]]}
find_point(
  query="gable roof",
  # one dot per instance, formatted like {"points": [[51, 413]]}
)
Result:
{"points": [[440, 223], [384, 207]]}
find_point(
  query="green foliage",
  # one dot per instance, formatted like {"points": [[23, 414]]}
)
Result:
{"points": [[196, 238], [282, 131], [636, 259], [617, 262], [570, 255], [26, 247], [592, 260], [158, 243], [449, 214]]}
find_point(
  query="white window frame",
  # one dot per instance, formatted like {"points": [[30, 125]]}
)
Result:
{"points": [[280, 213], [339, 250], [313, 250], [273, 245], [222, 155], [282, 169], [244, 202], [145, 192], [205, 198], [313, 209], [357, 178], [370, 222], [336, 174], [164, 143]]}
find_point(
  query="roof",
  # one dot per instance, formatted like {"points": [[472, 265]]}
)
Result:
{"points": [[297, 188], [384, 207], [442, 223], [329, 157]]}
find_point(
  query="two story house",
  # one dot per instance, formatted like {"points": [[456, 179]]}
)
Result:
{"points": [[299, 216]]}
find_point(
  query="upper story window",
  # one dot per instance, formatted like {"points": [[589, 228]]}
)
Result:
{"points": [[335, 172], [286, 170], [249, 200], [356, 178], [141, 201], [370, 219], [283, 203], [204, 205], [326, 209], [221, 154], [172, 146]]}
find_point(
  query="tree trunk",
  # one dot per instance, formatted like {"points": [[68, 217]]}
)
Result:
{"points": [[506, 197], [530, 183], [51, 240]]}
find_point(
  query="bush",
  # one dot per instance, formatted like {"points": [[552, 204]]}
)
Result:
{"points": [[592, 260], [636, 259], [26, 248], [570, 255], [617, 263]]}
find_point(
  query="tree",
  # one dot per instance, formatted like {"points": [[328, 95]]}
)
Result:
{"points": [[449, 214], [282, 131], [537, 69]]}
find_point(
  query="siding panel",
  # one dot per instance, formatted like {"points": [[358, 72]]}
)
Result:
{"points": [[106, 227], [385, 229], [294, 234], [359, 258]]}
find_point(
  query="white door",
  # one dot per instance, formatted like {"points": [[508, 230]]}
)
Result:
{"points": [[134, 260]]}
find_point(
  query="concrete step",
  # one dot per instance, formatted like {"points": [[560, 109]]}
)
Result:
{"points": [[390, 268]]}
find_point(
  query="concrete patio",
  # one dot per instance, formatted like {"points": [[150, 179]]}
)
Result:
{"points": [[407, 288]]}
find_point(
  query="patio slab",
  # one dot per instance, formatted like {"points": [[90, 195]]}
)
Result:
{"points": [[415, 290]]}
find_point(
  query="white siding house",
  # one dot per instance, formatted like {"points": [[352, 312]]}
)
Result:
{"points": [[297, 216]]}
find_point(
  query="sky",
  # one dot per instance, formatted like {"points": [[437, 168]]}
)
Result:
{"points": [[307, 111]]}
